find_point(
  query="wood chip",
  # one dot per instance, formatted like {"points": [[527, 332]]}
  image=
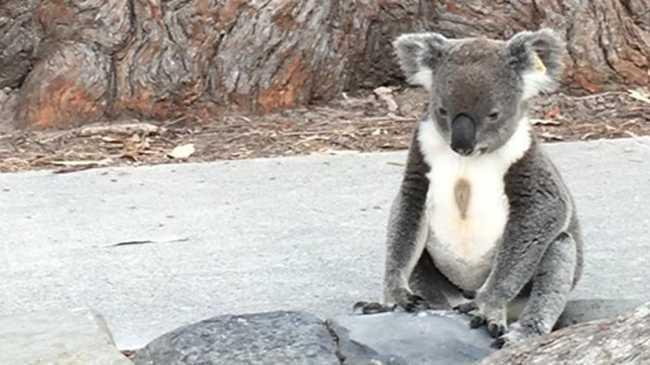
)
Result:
{"points": [[182, 151], [544, 122], [640, 94], [551, 137], [111, 140], [80, 162], [385, 94], [126, 129], [75, 166]]}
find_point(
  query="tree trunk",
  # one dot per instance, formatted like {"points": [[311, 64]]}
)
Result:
{"points": [[158, 59], [623, 340]]}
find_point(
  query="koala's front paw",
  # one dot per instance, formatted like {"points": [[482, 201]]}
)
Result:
{"points": [[516, 335], [372, 308], [408, 301], [493, 318]]}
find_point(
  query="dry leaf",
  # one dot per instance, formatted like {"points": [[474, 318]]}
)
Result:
{"points": [[640, 94], [182, 151], [111, 140]]}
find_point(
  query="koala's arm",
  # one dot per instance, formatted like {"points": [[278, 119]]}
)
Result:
{"points": [[540, 210], [406, 229]]}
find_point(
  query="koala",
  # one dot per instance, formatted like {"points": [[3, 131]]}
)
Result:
{"points": [[482, 213]]}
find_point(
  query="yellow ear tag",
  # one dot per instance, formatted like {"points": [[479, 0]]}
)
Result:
{"points": [[539, 65]]}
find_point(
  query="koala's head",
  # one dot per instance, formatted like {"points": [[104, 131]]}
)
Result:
{"points": [[479, 87]]}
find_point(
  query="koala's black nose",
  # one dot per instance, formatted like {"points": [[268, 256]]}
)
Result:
{"points": [[463, 134]]}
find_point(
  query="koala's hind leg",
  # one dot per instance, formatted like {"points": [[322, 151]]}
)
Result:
{"points": [[552, 284], [427, 282]]}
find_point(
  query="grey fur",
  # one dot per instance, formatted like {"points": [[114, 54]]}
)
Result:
{"points": [[419, 51], [545, 43], [539, 255]]}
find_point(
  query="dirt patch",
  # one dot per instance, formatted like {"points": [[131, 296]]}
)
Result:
{"points": [[367, 122]]}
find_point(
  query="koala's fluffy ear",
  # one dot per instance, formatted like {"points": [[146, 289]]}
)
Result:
{"points": [[419, 54], [537, 56]]}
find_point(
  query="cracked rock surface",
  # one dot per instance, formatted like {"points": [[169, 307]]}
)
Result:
{"points": [[262, 338], [295, 337], [302, 338]]}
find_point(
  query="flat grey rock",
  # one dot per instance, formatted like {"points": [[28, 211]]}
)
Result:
{"points": [[290, 338], [435, 338], [78, 337], [302, 233], [443, 337]]}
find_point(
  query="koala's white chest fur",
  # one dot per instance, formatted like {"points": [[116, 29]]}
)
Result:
{"points": [[464, 236]]}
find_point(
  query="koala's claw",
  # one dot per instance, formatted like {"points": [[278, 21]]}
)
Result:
{"points": [[476, 321], [415, 303], [516, 334], [505, 341], [466, 308], [496, 330], [468, 294], [372, 307], [495, 326], [499, 343]]}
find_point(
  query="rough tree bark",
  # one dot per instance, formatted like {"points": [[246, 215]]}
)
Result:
{"points": [[17, 40], [159, 58], [623, 340]]}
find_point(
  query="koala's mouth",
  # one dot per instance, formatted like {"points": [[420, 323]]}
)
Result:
{"points": [[476, 152], [480, 151]]}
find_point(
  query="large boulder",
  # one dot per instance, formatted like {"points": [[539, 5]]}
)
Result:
{"points": [[262, 338]]}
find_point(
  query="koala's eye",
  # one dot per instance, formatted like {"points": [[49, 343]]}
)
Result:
{"points": [[442, 112], [493, 116]]}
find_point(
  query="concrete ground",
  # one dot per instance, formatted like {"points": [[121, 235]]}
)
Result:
{"points": [[152, 248]]}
